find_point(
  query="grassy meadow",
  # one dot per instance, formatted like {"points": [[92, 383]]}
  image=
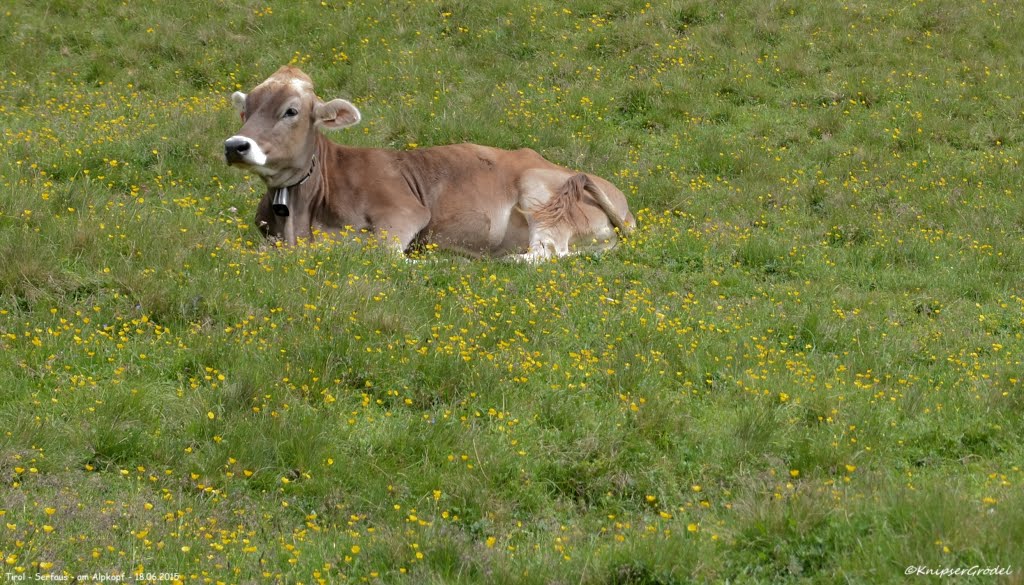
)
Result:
{"points": [[805, 366]]}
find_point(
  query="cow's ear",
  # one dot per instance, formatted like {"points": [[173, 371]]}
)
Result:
{"points": [[238, 100], [336, 114]]}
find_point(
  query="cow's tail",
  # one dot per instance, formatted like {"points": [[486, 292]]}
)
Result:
{"points": [[606, 205]]}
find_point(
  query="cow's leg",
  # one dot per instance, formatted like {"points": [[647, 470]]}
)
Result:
{"points": [[398, 227], [548, 208], [289, 230], [547, 241]]}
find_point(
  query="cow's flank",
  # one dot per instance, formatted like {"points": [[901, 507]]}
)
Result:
{"points": [[466, 197]]}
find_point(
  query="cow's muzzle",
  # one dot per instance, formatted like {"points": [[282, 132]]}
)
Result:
{"points": [[242, 150], [235, 149]]}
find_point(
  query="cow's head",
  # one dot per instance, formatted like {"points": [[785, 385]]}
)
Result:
{"points": [[278, 136]]}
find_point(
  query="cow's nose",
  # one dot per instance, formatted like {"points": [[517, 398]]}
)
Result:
{"points": [[235, 148]]}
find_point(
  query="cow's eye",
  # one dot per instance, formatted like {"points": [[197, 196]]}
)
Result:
{"points": [[290, 113]]}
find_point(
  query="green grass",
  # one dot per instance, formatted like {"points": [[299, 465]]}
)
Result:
{"points": [[804, 367]]}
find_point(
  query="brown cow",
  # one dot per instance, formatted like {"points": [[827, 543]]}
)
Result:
{"points": [[470, 198]]}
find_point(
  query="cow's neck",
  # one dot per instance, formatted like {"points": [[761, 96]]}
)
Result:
{"points": [[282, 198]]}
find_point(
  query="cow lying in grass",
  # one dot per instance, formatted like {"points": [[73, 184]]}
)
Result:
{"points": [[474, 199]]}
